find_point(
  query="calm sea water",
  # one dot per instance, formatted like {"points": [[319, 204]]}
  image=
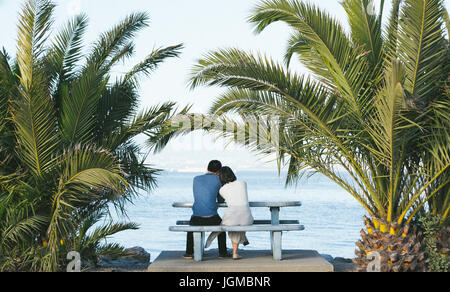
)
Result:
{"points": [[332, 218]]}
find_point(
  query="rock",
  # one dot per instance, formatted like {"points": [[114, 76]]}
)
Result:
{"points": [[136, 259], [138, 253], [344, 260], [340, 264], [343, 265], [328, 257], [87, 264]]}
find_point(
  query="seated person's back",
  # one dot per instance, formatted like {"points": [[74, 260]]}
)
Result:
{"points": [[206, 195]]}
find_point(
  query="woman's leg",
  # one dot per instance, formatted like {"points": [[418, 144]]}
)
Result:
{"points": [[235, 248], [235, 240]]}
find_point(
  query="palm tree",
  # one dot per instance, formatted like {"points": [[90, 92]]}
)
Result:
{"points": [[373, 114], [67, 137]]}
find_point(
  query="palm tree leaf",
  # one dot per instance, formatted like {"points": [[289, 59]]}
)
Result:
{"points": [[235, 68], [8, 89], [447, 22], [391, 32], [34, 24], [119, 101], [6, 77], [35, 127], [103, 232], [115, 106], [153, 60], [263, 87], [79, 105], [331, 55], [78, 118], [20, 228], [86, 174], [392, 133], [114, 44], [420, 43], [33, 112], [365, 28], [66, 49], [140, 174], [164, 132]]}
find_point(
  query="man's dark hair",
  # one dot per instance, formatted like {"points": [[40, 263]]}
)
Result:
{"points": [[214, 166], [226, 175]]}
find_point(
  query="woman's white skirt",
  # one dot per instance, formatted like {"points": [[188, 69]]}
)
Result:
{"points": [[234, 216]]}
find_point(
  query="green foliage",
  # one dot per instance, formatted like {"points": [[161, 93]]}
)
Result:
{"points": [[436, 261], [373, 112], [67, 138]]}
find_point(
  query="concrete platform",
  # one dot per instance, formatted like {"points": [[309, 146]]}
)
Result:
{"points": [[253, 261]]}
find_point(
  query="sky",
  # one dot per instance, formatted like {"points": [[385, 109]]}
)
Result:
{"points": [[202, 26]]}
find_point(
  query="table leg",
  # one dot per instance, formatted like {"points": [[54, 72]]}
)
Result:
{"points": [[275, 215], [277, 249], [275, 220], [199, 243]]}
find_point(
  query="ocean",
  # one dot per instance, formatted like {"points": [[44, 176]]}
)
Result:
{"points": [[332, 218]]}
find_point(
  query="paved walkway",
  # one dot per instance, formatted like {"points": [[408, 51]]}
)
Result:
{"points": [[253, 261]]}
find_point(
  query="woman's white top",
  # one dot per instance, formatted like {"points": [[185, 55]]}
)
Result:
{"points": [[237, 213], [236, 197]]}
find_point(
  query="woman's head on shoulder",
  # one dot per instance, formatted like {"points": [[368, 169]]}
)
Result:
{"points": [[226, 175]]}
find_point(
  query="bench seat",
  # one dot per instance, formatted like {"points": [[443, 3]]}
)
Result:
{"points": [[199, 234], [256, 222]]}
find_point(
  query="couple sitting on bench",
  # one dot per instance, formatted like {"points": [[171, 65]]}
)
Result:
{"points": [[220, 185]]}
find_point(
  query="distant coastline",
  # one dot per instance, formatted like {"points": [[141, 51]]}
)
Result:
{"points": [[201, 170]]}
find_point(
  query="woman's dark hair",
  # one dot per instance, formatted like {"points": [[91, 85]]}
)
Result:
{"points": [[214, 166], [226, 175]]}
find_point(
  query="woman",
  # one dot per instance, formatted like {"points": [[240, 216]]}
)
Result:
{"points": [[238, 212]]}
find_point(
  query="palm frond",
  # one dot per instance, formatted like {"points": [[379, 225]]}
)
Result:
{"points": [[35, 127], [115, 44], [145, 121], [420, 43], [79, 106], [391, 32], [324, 47], [34, 25], [86, 173], [66, 50], [260, 86], [88, 238], [67, 148], [103, 232], [19, 226], [153, 60], [163, 132], [8, 85], [6, 82], [365, 28], [139, 174], [118, 101], [237, 69], [447, 22], [33, 112], [392, 132]]}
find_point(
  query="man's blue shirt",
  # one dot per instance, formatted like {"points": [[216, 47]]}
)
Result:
{"points": [[206, 195]]}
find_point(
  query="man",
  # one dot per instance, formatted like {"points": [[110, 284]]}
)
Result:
{"points": [[206, 196]]}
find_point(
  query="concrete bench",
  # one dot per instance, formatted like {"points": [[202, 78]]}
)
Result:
{"points": [[276, 231], [256, 222]]}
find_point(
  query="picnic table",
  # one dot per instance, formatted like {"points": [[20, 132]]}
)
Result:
{"points": [[274, 207], [275, 226]]}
